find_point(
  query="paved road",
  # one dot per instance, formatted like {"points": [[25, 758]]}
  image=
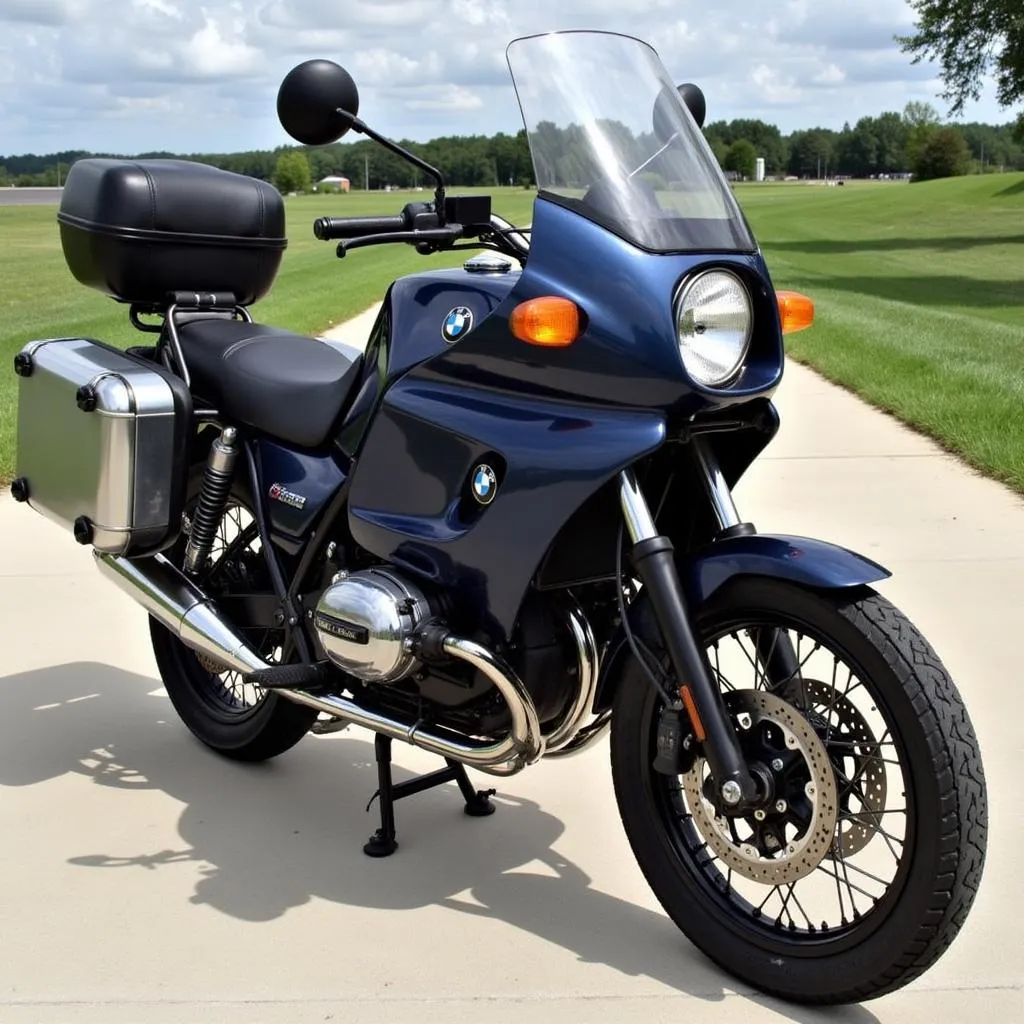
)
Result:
{"points": [[30, 196], [146, 880]]}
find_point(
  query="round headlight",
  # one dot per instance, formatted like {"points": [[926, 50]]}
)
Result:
{"points": [[715, 320]]}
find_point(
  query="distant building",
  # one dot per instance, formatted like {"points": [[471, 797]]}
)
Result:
{"points": [[333, 181]]}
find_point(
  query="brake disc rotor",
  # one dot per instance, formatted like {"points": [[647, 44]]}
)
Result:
{"points": [[854, 740], [799, 854]]}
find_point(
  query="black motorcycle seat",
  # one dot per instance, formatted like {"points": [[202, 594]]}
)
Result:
{"points": [[286, 385]]}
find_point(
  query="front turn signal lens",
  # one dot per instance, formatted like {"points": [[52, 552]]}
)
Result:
{"points": [[796, 311], [549, 321]]}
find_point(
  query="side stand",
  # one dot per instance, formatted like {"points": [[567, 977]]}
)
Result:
{"points": [[383, 843]]}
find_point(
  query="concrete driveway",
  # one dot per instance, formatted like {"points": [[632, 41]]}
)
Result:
{"points": [[145, 880]]}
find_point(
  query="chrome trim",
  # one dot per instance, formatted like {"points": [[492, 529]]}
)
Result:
{"points": [[387, 609], [487, 263], [174, 601], [588, 660], [718, 490], [586, 737], [518, 241], [213, 499], [525, 722], [171, 598], [639, 523], [522, 746]]}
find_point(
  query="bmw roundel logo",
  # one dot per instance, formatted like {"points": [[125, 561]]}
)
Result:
{"points": [[457, 324], [485, 484]]}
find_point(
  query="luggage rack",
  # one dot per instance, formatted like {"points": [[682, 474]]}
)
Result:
{"points": [[186, 304]]}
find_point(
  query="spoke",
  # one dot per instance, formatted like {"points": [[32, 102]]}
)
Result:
{"points": [[860, 871], [792, 892], [774, 889], [870, 757], [718, 670], [746, 654], [877, 814], [879, 831], [800, 667], [839, 893], [766, 660], [835, 697], [849, 885]]}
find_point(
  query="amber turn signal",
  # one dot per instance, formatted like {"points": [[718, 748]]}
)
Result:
{"points": [[548, 321], [796, 311]]}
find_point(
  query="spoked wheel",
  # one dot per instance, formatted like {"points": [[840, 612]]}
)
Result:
{"points": [[235, 718], [860, 866]]}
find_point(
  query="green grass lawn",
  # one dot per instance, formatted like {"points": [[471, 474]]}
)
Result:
{"points": [[919, 292], [920, 301]]}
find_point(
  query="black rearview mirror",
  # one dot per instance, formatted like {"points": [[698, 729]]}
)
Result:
{"points": [[664, 118], [317, 102]]}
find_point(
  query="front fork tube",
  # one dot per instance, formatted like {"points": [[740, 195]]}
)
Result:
{"points": [[653, 558], [774, 649]]}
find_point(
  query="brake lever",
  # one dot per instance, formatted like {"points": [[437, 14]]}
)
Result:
{"points": [[423, 236]]}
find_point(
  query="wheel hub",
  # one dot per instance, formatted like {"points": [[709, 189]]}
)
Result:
{"points": [[784, 840]]}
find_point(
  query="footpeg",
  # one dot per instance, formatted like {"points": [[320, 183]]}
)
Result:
{"points": [[291, 677]]}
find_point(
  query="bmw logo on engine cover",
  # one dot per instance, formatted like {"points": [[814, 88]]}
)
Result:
{"points": [[485, 484], [457, 324]]}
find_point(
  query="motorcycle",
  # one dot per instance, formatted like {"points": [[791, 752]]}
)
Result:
{"points": [[506, 529]]}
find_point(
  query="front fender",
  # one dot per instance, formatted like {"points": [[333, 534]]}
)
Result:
{"points": [[810, 563]]}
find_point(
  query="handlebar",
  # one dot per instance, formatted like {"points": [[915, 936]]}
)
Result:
{"points": [[418, 225], [331, 228]]}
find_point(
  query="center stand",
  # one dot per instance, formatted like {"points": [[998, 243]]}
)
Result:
{"points": [[383, 842]]}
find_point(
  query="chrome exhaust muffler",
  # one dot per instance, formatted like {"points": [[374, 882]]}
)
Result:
{"points": [[179, 605]]}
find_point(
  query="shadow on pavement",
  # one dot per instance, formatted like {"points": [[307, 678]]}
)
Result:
{"points": [[271, 837]]}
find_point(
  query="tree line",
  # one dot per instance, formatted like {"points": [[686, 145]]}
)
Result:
{"points": [[912, 141]]}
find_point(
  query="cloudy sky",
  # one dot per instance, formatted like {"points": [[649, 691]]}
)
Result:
{"points": [[201, 75]]}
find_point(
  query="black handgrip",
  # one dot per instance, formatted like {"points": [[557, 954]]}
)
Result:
{"points": [[328, 228]]}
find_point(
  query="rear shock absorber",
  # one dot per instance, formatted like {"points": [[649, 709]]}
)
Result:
{"points": [[213, 499]]}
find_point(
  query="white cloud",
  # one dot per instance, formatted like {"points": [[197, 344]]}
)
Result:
{"points": [[202, 75], [773, 86], [448, 97], [831, 74], [218, 50]]}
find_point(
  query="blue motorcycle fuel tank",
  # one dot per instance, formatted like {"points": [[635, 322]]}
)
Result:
{"points": [[422, 316]]}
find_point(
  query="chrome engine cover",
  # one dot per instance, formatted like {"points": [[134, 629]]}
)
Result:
{"points": [[364, 621]]}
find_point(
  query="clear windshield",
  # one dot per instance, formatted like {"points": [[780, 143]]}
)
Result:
{"points": [[612, 139]]}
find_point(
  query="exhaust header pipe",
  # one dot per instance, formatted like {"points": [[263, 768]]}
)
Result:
{"points": [[179, 605]]}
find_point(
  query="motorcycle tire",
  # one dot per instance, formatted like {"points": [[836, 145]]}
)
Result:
{"points": [[875, 945], [235, 719]]}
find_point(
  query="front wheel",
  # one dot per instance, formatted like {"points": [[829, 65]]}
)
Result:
{"points": [[859, 871]]}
